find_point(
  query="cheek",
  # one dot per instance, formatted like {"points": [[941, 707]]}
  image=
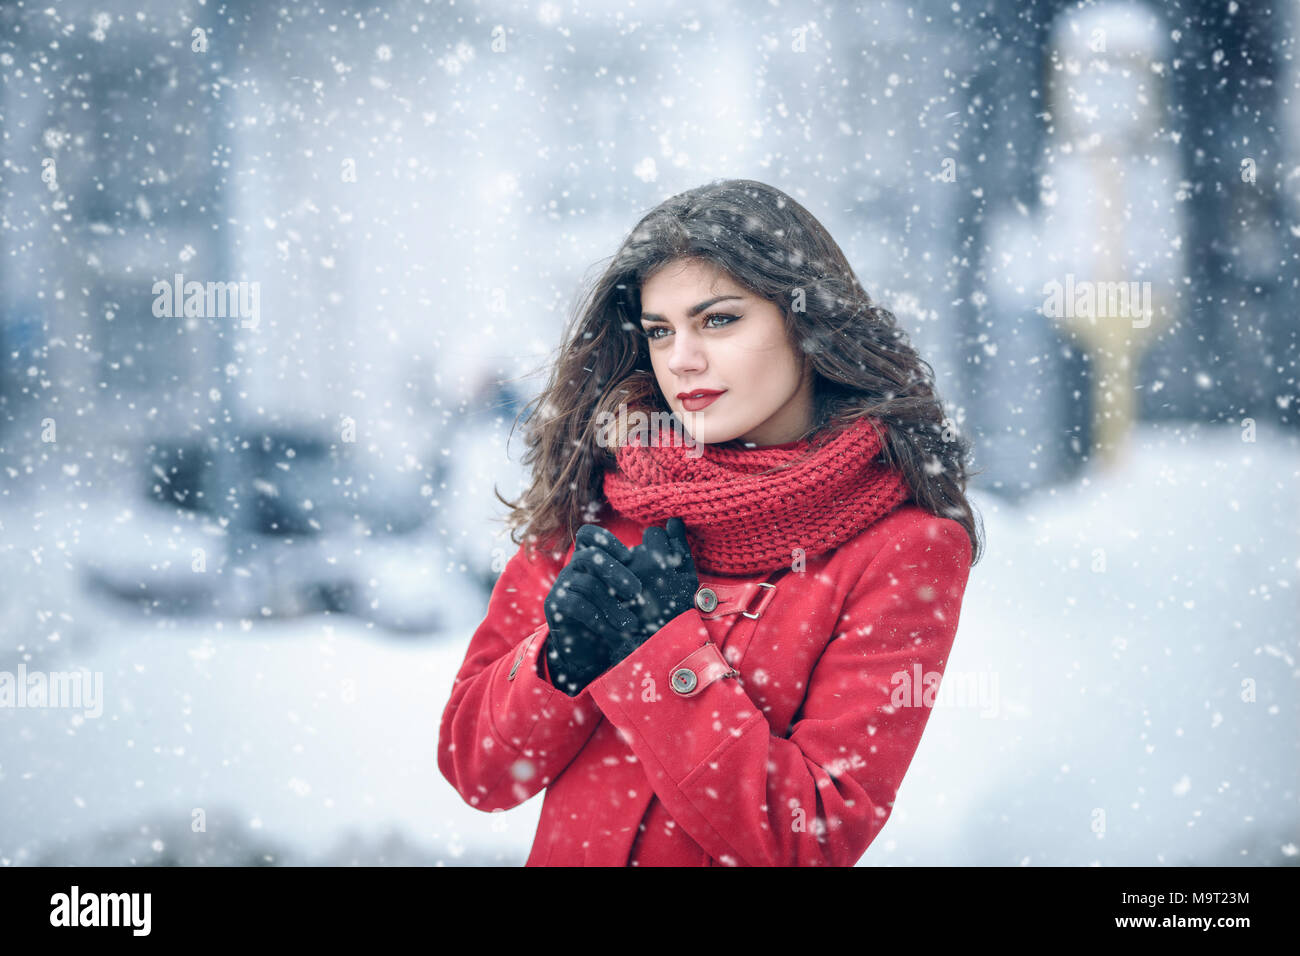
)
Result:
{"points": [[656, 363], [659, 365], [771, 362]]}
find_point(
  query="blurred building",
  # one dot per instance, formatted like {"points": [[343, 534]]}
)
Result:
{"points": [[419, 191]]}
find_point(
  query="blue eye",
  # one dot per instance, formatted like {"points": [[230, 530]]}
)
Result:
{"points": [[651, 333]]}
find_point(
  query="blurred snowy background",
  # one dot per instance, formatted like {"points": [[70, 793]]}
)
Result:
{"points": [[273, 533]]}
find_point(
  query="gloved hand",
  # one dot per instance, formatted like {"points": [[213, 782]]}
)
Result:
{"points": [[584, 617], [663, 565]]}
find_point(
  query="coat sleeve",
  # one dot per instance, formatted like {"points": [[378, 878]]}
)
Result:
{"points": [[507, 732], [818, 796]]}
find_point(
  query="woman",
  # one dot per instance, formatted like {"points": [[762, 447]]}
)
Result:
{"points": [[708, 650]]}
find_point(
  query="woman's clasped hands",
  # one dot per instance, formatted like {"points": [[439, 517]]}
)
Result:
{"points": [[609, 599]]}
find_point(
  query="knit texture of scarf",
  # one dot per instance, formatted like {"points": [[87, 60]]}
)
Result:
{"points": [[741, 522]]}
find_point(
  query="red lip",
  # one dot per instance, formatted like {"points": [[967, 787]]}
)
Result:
{"points": [[704, 397]]}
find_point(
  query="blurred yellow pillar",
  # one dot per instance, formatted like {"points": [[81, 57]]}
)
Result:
{"points": [[1114, 318]]}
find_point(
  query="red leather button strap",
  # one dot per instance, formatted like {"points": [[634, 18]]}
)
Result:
{"points": [[749, 599], [698, 670]]}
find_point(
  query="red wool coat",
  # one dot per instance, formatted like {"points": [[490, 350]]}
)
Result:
{"points": [[794, 761]]}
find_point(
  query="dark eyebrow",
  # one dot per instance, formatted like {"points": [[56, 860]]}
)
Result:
{"points": [[693, 311]]}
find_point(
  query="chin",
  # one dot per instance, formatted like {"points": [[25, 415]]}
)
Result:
{"points": [[708, 433]]}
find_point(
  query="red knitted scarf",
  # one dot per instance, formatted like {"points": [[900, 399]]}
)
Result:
{"points": [[741, 522]]}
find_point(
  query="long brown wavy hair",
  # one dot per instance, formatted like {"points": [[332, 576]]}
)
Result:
{"points": [[862, 362]]}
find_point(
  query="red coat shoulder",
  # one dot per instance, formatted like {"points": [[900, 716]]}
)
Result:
{"points": [[907, 531]]}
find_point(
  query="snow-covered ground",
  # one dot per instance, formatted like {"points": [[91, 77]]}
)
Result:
{"points": [[1135, 635]]}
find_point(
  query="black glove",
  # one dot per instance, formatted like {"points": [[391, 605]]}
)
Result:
{"points": [[584, 617], [663, 565]]}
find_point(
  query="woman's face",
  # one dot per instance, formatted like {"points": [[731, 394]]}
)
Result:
{"points": [[706, 332]]}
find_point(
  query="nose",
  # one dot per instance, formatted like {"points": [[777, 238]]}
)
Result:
{"points": [[686, 357]]}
